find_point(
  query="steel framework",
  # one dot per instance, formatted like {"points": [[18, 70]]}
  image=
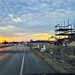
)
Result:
{"points": [[65, 30]]}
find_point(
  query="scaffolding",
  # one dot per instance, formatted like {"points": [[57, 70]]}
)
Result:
{"points": [[65, 30]]}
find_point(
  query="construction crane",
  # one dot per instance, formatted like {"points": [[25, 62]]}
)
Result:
{"points": [[57, 41]]}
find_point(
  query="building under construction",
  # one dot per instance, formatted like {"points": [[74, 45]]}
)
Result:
{"points": [[65, 31]]}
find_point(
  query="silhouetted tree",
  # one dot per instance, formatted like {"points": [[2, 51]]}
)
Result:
{"points": [[31, 40], [5, 42]]}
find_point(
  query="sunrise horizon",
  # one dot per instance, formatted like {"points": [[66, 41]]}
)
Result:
{"points": [[41, 36]]}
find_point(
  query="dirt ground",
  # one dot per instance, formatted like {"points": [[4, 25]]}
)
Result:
{"points": [[52, 63], [65, 53]]}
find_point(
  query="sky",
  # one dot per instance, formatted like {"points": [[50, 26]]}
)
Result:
{"points": [[22, 20]]}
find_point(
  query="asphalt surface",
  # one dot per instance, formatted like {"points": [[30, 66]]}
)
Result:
{"points": [[20, 60]]}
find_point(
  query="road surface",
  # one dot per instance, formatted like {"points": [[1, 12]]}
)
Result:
{"points": [[20, 60]]}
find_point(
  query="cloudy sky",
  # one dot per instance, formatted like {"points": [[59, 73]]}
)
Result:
{"points": [[33, 19]]}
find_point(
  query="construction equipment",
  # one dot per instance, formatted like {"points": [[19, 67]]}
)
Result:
{"points": [[57, 41]]}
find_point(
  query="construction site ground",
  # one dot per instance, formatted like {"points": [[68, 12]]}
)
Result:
{"points": [[60, 58]]}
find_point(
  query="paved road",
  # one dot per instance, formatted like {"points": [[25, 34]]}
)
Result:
{"points": [[21, 61]]}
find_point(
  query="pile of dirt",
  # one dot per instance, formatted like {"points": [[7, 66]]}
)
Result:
{"points": [[71, 44]]}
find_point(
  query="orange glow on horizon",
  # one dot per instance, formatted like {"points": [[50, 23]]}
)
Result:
{"points": [[2, 39], [11, 39], [39, 36], [43, 36]]}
